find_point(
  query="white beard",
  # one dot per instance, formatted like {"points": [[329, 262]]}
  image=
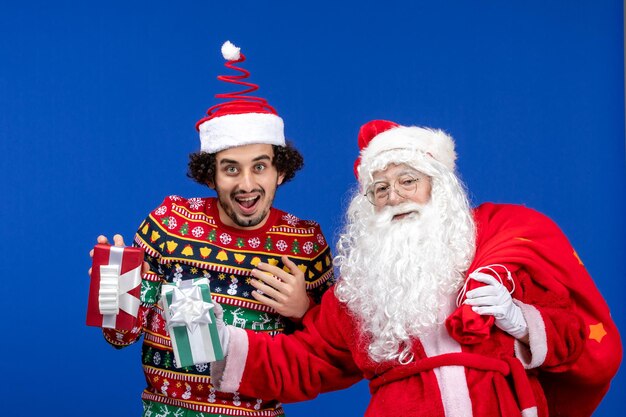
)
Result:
{"points": [[396, 275]]}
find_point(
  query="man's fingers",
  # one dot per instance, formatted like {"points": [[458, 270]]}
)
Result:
{"points": [[281, 273], [89, 272], [265, 300], [270, 280], [290, 264], [266, 289], [274, 270], [146, 268], [118, 240]]}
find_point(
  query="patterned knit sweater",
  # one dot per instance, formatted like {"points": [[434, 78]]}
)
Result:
{"points": [[184, 239]]}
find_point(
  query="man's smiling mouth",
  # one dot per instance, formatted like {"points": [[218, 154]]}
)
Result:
{"points": [[247, 204]]}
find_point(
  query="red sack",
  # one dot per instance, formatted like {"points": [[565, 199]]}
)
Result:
{"points": [[523, 239]]}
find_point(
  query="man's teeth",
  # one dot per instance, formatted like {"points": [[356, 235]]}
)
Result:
{"points": [[247, 202]]}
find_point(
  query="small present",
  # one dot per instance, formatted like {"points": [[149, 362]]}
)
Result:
{"points": [[188, 311], [115, 287]]}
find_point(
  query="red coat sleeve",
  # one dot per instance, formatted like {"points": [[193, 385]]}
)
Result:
{"points": [[556, 331], [311, 361]]}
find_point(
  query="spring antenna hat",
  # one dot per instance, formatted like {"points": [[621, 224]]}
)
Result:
{"points": [[242, 119]]}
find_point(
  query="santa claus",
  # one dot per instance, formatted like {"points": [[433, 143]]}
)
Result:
{"points": [[423, 278]]}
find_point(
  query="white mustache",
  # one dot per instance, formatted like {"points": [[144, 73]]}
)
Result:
{"points": [[386, 215]]}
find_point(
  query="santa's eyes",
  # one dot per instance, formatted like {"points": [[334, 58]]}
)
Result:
{"points": [[407, 182], [381, 188]]}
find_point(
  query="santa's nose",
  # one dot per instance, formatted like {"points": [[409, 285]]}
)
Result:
{"points": [[394, 198]]}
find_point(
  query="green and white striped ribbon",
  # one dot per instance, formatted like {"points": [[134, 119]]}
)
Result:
{"points": [[192, 344]]}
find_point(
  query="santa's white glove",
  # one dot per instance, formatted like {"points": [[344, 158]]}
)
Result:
{"points": [[494, 299], [222, 329]]}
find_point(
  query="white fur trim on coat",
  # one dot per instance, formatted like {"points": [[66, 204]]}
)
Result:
{"points": [[530, 412], [533, 355], [431, 141], [452, 380], [234, 130], [226, 374]]}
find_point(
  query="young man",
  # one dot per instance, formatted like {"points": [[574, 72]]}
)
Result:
{"points": [[447, 311], [244, 157]]}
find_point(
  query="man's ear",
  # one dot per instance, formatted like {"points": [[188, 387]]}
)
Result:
{"points": [[211, 184], [281, 178]]}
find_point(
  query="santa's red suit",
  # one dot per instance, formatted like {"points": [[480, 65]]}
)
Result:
{"points": [[496, 377]]}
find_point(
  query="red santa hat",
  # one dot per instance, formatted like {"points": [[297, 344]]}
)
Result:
{"points": [[381, 136], [243, 119]]}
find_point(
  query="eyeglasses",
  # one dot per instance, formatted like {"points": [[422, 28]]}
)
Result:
{"points": [[404, 185]]}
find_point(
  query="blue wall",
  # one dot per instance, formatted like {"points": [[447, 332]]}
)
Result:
{"points": [[97, 110]]}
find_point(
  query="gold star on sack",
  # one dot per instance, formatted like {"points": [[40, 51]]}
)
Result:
{"points": [[580, 261], [597, 332]]}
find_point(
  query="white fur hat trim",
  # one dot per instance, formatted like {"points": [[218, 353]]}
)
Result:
{"points": [[233, 130], [432, 141]]}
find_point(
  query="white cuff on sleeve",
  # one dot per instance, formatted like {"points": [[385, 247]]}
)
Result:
{"points": [[226, 374], [534, 354]]}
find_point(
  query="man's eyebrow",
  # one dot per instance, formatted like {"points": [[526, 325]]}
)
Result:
{"points": [[262, 158], [258, 158]]}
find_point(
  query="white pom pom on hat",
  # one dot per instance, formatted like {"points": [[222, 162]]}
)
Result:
{"points": [[230, 52]]}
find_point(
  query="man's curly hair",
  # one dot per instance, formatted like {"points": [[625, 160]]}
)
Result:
{"points": [[287, 161]]}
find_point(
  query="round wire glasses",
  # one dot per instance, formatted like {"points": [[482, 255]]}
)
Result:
{"points": [[404, 186]]}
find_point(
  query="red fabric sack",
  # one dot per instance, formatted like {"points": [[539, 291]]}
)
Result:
{"points": [[523, 239]]}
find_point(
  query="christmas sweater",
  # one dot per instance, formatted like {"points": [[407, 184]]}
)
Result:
{"points": [[184, 239]]}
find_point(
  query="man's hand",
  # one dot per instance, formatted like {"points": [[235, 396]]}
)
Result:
{"points": [[494, 299], [118, 240], [287, 291]]}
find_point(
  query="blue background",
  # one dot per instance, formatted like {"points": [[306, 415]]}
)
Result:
{"points": [[97, 110]]}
